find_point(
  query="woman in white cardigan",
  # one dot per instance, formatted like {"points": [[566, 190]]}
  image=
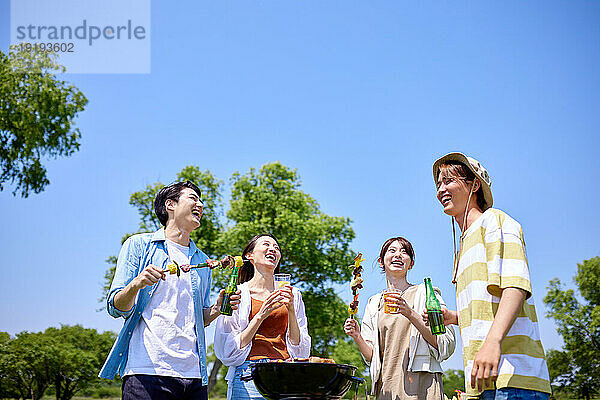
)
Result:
{"points": [[403, 355], [269, 323]]}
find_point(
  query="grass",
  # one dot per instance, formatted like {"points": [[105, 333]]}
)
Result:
{"points": [[114, 398], [557, 396]]}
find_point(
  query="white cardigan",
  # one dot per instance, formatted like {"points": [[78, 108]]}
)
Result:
{"points": [[422, 357], [229, 329]]}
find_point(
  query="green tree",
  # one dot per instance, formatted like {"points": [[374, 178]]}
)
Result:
{"points": [[66, 360], [453, 379], [37, 111], [216, 380], [29, 362], [315, 246], [79, 353], [345, 351], [8, 385], [575, 368]]}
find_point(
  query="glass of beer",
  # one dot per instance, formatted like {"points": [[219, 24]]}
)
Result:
{"points": [[390, 305], [281, 280]]}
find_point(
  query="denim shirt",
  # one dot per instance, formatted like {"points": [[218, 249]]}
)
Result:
{"points": [[138, 252]]}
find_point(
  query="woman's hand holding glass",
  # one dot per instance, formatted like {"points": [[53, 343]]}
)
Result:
{"points": [[286, 297], [395, 304], [282, 286], [269, 305]]}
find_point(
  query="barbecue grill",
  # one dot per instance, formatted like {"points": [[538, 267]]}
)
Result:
{"points": [[303, 380]]}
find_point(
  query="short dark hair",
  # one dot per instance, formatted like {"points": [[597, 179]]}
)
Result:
{"points": [[459, 170], [405, 245], [247, 270], [171, 192]]}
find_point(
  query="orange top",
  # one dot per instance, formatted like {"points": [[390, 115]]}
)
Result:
{"points": [[269, 340]]}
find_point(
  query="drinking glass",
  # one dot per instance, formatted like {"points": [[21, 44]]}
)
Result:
{"points": [[390, 306], [282, 280]]}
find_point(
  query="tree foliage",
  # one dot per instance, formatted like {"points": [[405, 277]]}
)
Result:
{"points": [[36, 118], [79, 355], [31, 356], [575, 368], [67, 359], [216, 381], [315, 246], [453, 380], [345, 352], [8, 388], [326, 313]]}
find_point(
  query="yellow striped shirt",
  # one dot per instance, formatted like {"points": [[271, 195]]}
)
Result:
{"points": [[492, 257]]}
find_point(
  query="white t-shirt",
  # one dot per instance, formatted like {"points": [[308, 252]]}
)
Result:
{"points": [[164, 341]]}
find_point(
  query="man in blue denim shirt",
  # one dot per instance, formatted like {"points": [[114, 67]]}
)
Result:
{"points": [[160, 351]]}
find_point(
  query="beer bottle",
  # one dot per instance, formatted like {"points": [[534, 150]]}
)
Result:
{"points": [[434, 310], [231, 288]]}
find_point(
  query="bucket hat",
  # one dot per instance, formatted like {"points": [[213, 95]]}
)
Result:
{"points": [[475, 167]]}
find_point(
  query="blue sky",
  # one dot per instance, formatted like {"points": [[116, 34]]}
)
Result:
{"points": [[361, 97]]}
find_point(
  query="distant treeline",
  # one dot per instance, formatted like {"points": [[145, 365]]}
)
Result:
{"points": [[62, 361]]}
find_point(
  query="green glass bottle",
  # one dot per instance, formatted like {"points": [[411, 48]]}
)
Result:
{"points": [[231, 288], [434, 310]]}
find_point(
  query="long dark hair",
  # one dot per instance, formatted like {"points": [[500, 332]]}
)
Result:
{"points": [[247, 270]]}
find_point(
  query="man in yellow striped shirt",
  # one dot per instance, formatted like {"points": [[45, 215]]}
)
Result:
{"points": [[502, 351]]}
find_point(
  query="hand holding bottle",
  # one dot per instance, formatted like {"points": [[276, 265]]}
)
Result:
{"points": [[450, 317], [434, 310], [234, 299], [231, 290]]}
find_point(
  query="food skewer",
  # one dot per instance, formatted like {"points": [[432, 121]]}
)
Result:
{"points": [[226, 262], [356, 284]]}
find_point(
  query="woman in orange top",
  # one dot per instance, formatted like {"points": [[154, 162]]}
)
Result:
{"points": [[270, 323]]}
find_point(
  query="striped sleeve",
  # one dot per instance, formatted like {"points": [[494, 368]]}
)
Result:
{"points": [[506, 259]]}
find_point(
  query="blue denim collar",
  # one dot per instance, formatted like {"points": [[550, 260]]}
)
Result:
{"points": [[159, 235]]}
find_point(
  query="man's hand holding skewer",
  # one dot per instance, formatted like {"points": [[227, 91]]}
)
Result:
{"points": [[226, 262]]}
